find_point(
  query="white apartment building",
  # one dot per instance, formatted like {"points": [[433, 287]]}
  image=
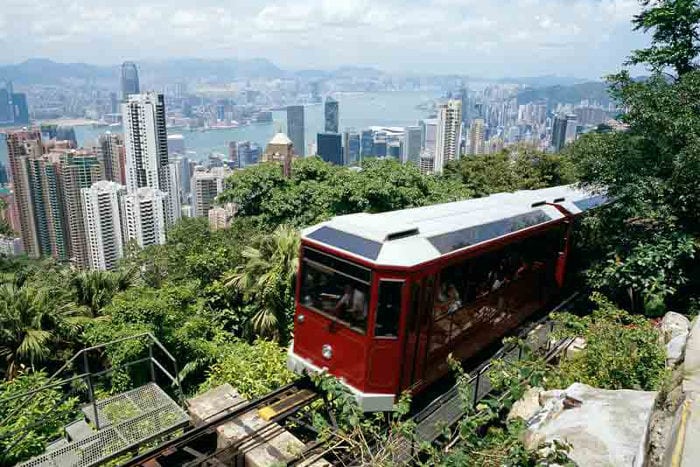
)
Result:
{"points": [[102, 208], [144, 219], [449, 133]]}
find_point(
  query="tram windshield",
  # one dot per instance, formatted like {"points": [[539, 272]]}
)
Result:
{"points": [[337, 288]]}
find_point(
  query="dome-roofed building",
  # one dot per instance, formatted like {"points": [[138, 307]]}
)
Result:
{"points": [[280, 149]]}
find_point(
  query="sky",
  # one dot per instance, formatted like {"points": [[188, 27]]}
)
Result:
{"points": [[491, 38]]}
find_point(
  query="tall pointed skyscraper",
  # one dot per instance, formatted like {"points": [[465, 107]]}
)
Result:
{"points": [[130, 80], [332, 115]]}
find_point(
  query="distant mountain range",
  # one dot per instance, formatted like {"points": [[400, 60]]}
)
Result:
{"points": [[574, 93], [45, 71]]}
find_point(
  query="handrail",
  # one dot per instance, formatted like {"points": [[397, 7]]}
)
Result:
{"points": [[157, 342], [49, 384]]}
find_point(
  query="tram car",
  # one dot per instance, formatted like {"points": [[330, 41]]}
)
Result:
{"points": [[382, 299]]}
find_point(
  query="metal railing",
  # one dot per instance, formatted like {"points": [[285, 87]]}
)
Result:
{"points": [[89, 376]]}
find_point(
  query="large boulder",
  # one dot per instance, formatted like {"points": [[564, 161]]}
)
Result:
{"points": [[673, 325], [527, 405], [603, 427], [674, 349]]}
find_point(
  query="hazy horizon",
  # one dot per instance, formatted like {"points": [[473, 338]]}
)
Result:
{"points": [[578, 38]]}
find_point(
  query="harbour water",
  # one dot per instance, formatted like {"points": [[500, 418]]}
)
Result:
{"points": [[357, 110]]}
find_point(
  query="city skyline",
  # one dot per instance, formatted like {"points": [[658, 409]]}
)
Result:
{"points": [[450, 36]]}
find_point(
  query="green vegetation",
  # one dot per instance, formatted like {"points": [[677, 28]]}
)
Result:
{"points": [[42, 420], [649, 237], [622, 350], [517, 168], [222, 301], [317, 191]]}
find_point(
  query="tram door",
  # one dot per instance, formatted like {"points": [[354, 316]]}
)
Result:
{"points": [[417, 332]]}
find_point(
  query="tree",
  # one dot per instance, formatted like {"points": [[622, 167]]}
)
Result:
{"points": [[675, 37], [518, 168], [650, 234], [32, 326], [266, 279], [94, 289]]}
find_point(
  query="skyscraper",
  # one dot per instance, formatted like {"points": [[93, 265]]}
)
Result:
{"points": [[110, 149], [102, 206], [330, 148], [351, 147], [428, 135], [79, 170], [130, 80], [411, 145], [175, 189], [563, 130], [295, 128], [379, 144], [366, 143], [393, 150], [144, 216], [146, 145], [20, 109], [476, 137], [22, 146], [331, 115], [206, 185], [7, 114], [183, 164], [466, 107], [449, 131], [49, 208]]}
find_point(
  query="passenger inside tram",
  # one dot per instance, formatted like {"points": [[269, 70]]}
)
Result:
{"points": [[351, 306]]}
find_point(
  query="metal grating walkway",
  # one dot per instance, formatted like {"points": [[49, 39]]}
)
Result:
{"points": [[127, 420]]}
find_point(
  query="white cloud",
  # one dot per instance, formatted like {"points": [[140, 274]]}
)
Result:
{"points": [[480, 37]]}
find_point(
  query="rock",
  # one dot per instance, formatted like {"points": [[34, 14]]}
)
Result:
{"points": [[575, 347], [606, 428], [674, 349], [527, 405], [672, 325], [691, 362]]}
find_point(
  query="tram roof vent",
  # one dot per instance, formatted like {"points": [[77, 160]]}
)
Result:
{"points": [[538, 204], [402, 234], [559, 200]]}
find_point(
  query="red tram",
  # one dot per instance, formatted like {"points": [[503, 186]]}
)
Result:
{"points": [[382, 299]]}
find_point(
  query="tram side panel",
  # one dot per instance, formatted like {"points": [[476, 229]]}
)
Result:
{"points": [[470, 302]]}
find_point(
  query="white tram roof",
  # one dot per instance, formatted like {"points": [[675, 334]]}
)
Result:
{"points": [[409, 237]]}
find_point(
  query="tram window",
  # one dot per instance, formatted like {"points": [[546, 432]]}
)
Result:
{"points": [[337, 295], [388, 309]]}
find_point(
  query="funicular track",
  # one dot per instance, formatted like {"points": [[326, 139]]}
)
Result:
{"points": [[198, 445]]}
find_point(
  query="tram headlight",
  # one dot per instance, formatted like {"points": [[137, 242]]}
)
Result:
{"points": [[327, 351]]}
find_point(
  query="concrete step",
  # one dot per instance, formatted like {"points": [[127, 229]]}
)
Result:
{"points": [[56, 444], [78, 431]]}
